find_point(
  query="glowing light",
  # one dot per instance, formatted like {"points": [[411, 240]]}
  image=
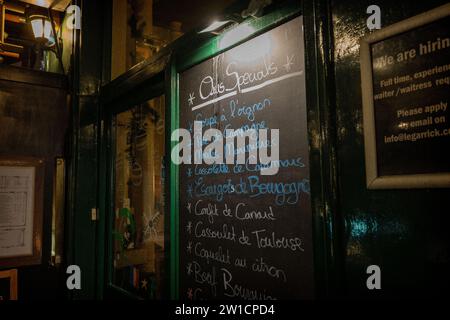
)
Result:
{"points": [[249, 51], [216, 25], [42, 29], [47, 29], [235, 35], [38, 28], [41, 3]]}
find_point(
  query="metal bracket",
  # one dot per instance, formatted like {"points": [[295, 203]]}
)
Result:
{"points": [[94, 214], [255, 8]]}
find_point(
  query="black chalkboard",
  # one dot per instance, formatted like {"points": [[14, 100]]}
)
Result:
{"points": [[411, 79], [254, 242]]}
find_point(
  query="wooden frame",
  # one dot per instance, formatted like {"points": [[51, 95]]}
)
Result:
{"points": [[12, 275], [7, 49], [2, 21], [58, 205], [36, 237], [374, 180]]}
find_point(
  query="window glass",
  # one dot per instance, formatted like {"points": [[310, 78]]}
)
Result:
{"points": [[138, 233], [141, 28]]}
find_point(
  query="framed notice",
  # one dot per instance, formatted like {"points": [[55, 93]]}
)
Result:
{"points": [[8, 285], [405, 71], [21, 200]]}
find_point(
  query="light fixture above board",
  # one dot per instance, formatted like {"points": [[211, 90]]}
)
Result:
{"points": [[42, 29], [255, 9], [216, 27]]}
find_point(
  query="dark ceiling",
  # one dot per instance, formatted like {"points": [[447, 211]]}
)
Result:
{"points": [[59, 5], [191, 13]]}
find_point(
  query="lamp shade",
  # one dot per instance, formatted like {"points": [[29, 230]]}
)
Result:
{"points": [[42, 29]]}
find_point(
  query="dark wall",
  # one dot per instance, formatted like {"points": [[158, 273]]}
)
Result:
{"points": [[33, 122], [91, 68], [405, 232]]}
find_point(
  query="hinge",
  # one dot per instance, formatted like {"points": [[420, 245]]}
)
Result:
{"points": [[94, 214]]}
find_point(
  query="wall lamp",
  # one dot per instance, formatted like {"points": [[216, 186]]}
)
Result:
{"points": [[45, 34], [255, 9], [42, 29]]}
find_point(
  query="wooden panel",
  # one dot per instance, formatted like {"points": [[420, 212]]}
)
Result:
{"points": [[34, 118], [47, 79], [30, 118], [11, 48]]}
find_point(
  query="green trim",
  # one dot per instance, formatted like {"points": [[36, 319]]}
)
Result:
{"points": [[101, 214], [322, 123], [110, 214], [131, 93], [122, 94], [90, 67], [174, 108], [324, 195]]}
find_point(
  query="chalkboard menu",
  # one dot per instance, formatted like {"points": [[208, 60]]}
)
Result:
{"points": [[244, 235]]}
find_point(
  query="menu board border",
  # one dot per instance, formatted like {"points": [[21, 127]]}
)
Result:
{"points": [[373, 179], [12, 276], [36, 257], [179, 65]]}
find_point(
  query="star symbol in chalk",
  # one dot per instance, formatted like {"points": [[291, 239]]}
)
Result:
{"points": [[289, 63], [189, 227], [189, 207], [190, 294], [189, 191], [191, 99], [189, 247], [189, 269], [144, 284]]}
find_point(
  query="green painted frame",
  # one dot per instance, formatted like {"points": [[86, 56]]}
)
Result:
{"points": [[183, 61], [192, 49], [329, 250], [118, 96], [320, 124]]}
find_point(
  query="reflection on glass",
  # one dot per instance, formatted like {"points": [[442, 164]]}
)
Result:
{"points": [[139, 200], [136, 37]]}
